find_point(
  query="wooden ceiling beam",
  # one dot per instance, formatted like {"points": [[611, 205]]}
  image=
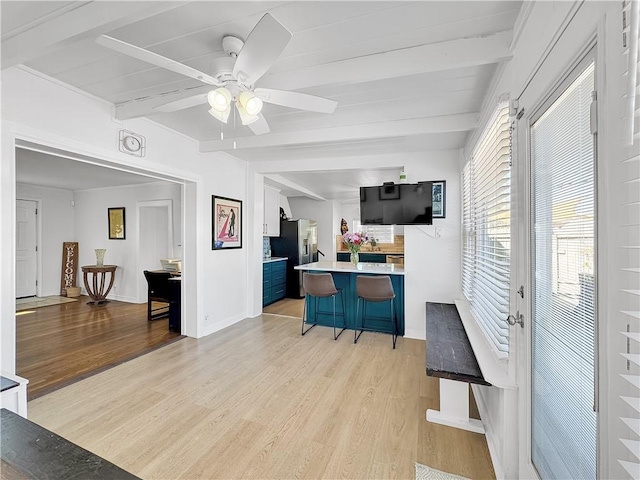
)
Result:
{"points": [[416, 126], [282, 182]]}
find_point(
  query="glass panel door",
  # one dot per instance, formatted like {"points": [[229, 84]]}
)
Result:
{"points": [[563, 421]]}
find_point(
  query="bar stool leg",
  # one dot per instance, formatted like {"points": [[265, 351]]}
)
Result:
{"points": [[394, 321], [364, 311], [304, 314], [335, 337], [356, 335]]}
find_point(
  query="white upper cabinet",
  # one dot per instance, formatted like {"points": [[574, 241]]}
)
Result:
{"points": [[271, 226]]}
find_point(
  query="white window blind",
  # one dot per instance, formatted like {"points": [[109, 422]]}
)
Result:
{"points": [[486, 217], [627, 403], [563, 423], [382, 233]]}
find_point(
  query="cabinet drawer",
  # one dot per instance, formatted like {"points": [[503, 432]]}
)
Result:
{"points": [[279, 266], [278, 278], [277, 292]]}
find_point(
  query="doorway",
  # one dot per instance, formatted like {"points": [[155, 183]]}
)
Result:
{"points": [[559, 376], [82, 340], [155, 238]]}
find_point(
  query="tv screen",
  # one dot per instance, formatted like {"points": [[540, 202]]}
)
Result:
{"points": [[397, 204]]}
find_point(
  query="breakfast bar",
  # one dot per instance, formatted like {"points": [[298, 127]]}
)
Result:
{"points": [[344, 276]]}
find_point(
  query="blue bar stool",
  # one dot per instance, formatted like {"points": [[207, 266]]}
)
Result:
{"points": [[320, 285], [374, 288]]}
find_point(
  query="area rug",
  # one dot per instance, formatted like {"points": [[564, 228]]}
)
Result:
{"points": [[37, 302], [427, 473]]}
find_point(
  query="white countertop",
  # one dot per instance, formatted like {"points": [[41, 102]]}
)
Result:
{"points": [[348, 267], [273, 259]]}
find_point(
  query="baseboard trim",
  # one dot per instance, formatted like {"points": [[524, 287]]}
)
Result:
{"points": [[414, 333], [213, 328], [490, 433], [120, 298]]}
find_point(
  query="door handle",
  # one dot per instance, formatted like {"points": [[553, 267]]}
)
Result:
{"points": [[517, 319]]}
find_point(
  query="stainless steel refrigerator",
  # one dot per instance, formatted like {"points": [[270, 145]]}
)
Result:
{"points": [[298, 241]]}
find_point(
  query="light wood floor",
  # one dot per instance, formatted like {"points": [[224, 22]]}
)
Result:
{"points": [[291, 307], [60, 344], [257, 400]]}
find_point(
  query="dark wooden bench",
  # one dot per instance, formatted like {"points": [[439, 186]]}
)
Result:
{"points": [[451, 358], [29, 451], [449, 352]]}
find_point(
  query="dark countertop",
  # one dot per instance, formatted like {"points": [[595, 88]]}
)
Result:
{"points": [[29, 449], [7, 383], [449, 353]]}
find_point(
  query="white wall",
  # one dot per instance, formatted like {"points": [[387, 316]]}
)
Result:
{"points": [[432, 253], [284, 203], [56, 224], [38, 109], [92, 230]]}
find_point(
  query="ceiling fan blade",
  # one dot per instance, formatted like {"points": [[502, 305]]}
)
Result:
{"points": [[155, 59], [264, 45], [301, 101], [182, 103], [260, 127]]}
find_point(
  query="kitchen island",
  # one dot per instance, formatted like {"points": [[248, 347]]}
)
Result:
{"points": [[344, 277]]}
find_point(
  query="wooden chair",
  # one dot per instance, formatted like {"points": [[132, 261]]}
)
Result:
{"points": [[158, 291]]}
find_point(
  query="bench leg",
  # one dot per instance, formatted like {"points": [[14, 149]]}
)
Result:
{"points": [[454, 407]]}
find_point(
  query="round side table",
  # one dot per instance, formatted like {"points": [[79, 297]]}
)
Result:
{"points": [[96, 289]]}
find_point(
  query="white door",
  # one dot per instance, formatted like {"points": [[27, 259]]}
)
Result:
{"points": [[26, 242], [558, 432]]}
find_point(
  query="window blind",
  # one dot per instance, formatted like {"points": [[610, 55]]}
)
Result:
{"points": [[382, 233], [563, 423], [486, 219], [627, 405]]}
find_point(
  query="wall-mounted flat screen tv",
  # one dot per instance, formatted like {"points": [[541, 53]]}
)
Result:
{"points": [[397, 204]]}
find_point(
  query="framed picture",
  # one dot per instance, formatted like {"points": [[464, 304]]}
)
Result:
{"points": [[116, 223], [227, 223], [439, 199]]}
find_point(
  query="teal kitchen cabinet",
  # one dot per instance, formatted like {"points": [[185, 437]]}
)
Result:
{"points": [[274, 280]]}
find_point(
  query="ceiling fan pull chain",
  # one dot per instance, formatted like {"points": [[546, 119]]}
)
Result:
{"points": [[234, 127]]}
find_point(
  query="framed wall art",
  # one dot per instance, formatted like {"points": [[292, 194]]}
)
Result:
{"points": [[116, 223], [227, 223], [439, 199]]}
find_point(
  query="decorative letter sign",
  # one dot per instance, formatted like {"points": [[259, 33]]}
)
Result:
{"points": [[69, 266]]}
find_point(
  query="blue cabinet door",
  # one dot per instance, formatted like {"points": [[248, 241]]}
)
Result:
{"points": [[266, 284], [274, 283]]}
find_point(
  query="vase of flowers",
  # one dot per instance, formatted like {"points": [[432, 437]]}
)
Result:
{"points": [[354, 241]]}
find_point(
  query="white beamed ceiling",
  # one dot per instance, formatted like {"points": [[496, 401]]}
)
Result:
{"points": [[407, 76]]}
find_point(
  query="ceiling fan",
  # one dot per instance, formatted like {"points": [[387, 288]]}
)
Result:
{"points": [[235, 76]]}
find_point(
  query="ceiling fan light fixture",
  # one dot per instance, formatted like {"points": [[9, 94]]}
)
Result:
{"points": [[222, 116], [245, 117], [219, 99], [251, 103]]}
